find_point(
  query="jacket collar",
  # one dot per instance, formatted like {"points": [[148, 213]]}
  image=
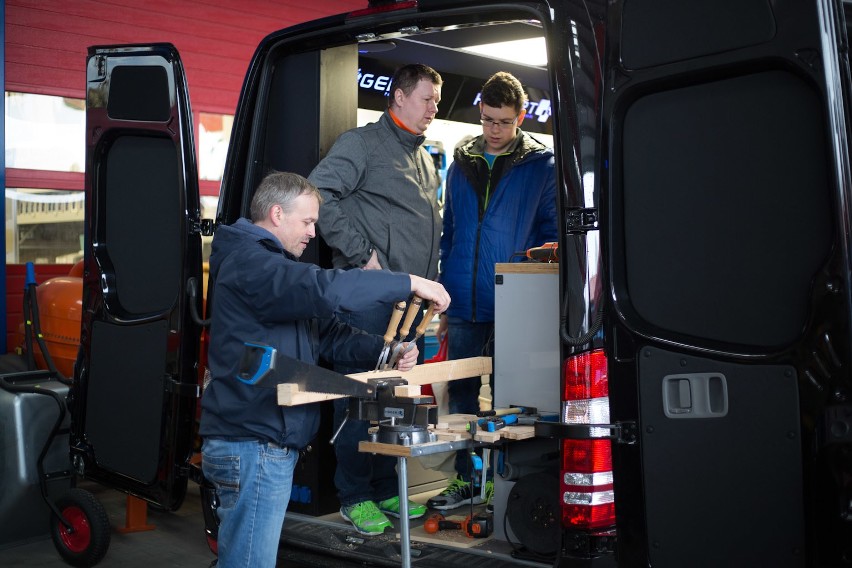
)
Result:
{"points": [[408, 140]]}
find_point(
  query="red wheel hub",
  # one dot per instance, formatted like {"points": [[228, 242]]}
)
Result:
{"points": [[78, 538]]}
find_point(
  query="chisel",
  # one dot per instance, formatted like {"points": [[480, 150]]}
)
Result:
{"points": [[396, 315]]}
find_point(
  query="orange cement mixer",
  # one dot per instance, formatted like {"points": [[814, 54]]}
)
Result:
{"points": [[60, 306]]}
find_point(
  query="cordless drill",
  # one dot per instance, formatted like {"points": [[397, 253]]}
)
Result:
{"points": [[473, 526]]}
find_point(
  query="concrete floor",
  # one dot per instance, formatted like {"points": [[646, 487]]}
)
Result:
{"points": [[176, 541]]}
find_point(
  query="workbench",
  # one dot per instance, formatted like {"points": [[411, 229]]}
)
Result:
{"points": [[450, 432]]}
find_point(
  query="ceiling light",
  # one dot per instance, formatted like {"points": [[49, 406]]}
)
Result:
{"points": [[530, 51]]}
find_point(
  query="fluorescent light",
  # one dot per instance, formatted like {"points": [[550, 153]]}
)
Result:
{"points": [[530, 51]]}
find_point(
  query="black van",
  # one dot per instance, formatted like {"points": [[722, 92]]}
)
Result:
{"points": [[703, 373]]}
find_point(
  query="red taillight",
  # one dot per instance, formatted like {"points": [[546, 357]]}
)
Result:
{"points": [[587, 456], [585, 376], [586, 475]]}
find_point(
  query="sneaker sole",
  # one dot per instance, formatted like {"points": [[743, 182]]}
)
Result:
{"points": [[396, 515], [362, 532], [456, 505]]}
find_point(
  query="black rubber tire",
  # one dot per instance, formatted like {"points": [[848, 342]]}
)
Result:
{"points": [[534, 514], [88, 543]]}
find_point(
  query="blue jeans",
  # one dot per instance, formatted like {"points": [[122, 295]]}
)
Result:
{"points": [[467, 339], [363, 476], [253, 481]]}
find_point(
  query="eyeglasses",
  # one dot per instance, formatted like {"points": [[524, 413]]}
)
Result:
{"points": [[501, 124]]}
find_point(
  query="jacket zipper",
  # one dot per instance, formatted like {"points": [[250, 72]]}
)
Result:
{"points": [[431, 209]]}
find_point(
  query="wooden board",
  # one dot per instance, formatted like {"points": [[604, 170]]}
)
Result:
{"points": [[290, 395], [526, 267]]}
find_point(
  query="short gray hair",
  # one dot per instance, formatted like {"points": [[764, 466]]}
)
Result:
{"points": [[279, 188]]}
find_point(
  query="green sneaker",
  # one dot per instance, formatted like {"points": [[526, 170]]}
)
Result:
{"points": [[366, 518], [489, 492], [391, 507]]}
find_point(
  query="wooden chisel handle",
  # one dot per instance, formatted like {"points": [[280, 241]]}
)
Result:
{"points": [[421, 329], [396, 315], [413, 308]]}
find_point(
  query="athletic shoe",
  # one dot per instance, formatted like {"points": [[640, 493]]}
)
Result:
{"points": [[456, 494], [366, 518], [391, 507]]}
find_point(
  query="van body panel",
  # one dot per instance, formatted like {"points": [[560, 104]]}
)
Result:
{"points": [[136, 379], [727, 261]]}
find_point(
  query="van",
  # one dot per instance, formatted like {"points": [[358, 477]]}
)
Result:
{"points": [[699, 316]]}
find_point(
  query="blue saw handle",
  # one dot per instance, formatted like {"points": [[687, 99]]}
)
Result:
{"points": [[257, 361]]}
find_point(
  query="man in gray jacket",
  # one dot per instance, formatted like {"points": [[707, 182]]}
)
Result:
{"points": [[380, 212]]}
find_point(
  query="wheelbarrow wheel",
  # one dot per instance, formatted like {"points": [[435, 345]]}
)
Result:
{"points": [[87, 541]]}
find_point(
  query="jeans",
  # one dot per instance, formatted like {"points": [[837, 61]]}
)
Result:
{"points": [[363, 476], [467, 339], [253, 481]]}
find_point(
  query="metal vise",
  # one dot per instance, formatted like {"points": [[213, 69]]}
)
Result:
{"points": [[402, 420]]}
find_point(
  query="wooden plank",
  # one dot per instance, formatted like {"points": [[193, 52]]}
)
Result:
{"points": [[290, 395], [435, 372], [418, 376], [407, 390], [517, 432], [526, 267]]}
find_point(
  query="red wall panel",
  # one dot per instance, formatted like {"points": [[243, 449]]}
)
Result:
{"points": [[46, 40], [46, 43]]}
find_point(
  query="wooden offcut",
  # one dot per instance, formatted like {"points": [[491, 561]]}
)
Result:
{"points": [[290, 395]]}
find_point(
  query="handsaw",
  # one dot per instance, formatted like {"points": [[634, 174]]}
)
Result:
{"points": [[262, 366]]}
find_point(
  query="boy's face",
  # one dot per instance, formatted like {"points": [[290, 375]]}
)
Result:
{"points": [[499, 126]]}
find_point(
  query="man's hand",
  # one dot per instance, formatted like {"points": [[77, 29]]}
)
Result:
{"points": [[432, 291], [409, 359], [373, 263], [443, 326]]}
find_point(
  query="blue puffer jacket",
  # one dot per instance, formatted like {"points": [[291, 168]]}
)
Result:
{"points": [[491, 215], [263, 295]]}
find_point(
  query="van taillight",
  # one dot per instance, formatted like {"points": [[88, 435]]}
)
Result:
{"points": [[586, 475]]}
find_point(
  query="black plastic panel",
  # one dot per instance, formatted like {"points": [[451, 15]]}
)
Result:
{"points": [[723, 490], [125, 397], [143, 205], [655, 32], [139, 93], [727, 208]]}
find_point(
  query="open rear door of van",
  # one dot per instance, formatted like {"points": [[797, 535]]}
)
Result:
{"points": [[135, 388], [729, 234]]}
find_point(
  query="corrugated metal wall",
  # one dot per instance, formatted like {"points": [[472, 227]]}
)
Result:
{"points": [[46, 40]]}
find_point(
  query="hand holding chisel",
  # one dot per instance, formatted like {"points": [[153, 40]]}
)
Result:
{"points": [[413, 310], [396, 315], [418, 333]]}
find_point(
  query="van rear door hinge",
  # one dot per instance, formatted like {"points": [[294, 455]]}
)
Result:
{"points": [[581, 220], [205, 227], [620, 432]]}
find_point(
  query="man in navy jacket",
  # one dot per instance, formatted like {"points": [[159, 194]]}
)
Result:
{"points": [[263, 294], [501, 199]]}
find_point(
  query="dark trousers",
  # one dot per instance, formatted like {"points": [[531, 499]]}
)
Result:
{"points": [[361, 476], [467, 339]]}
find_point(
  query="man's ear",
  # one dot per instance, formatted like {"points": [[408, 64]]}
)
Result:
{"points": [[398, 97], [522, 116]]}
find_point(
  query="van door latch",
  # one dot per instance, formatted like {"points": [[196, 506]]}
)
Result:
{"points": [[581, 220]]}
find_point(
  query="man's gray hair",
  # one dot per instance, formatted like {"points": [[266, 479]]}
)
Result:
{"points": [[279, 188]]}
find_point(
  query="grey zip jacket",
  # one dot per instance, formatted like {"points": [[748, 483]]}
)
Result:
{"points": [[379, 188]]}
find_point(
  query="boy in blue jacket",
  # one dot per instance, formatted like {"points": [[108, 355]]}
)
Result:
{"points": [[501, 199]]}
